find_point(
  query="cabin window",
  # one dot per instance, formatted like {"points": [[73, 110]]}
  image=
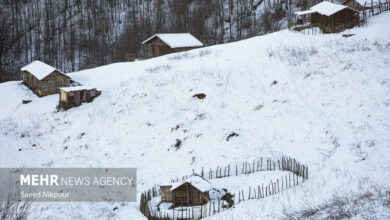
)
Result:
{"points": [[93, 93]]}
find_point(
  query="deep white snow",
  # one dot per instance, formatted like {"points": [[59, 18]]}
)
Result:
{"points": [[322, 99]]}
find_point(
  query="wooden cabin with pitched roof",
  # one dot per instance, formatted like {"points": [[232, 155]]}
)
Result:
{"points": [[44, 79], [356, 4], [163, 44], [330, 17], [192, 191], [362, 5]]}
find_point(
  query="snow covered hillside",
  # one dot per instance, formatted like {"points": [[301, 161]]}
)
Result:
{"points": [[323, 99]]}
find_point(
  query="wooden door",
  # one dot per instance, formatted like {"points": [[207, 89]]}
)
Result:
{"points": [[156, 50], [77, 97]]}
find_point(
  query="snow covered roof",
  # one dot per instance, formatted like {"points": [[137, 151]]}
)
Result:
{"points": [[39, 69], [368, 2], [196, 181], [327, 8], [76, 88], [304, 12], [177, 40], [362, 2], [324, 8]]}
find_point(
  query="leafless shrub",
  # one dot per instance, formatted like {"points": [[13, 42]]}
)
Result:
{"points": [[200, 116], [181, 56], [29, 126], [259, 107], [158, 68], [204, 53], [11, 207], [344, 207], [293, 55]]}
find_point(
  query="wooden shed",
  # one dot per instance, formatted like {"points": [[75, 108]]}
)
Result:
{"points": [[166, 193], [356, 4], [75, 96], [170, 43], [331, 17], [192, 191], [44, 79]]}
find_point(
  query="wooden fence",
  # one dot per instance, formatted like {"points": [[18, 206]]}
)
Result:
{"points": [[374, 8], [263, 164], [298, 174]]}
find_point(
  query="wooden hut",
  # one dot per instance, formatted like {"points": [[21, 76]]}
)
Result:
{"points": [[44, 79], [331, 17], [192, 191], [170, 43], [75, 96], [356, 4], [362, 5], [166, 193]]}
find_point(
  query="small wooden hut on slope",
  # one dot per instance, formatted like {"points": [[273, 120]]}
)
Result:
{"points": [[331, 17], [76, 95], [362, 5], [44, 79], [170, 43], [191, 192], [355, 4]]}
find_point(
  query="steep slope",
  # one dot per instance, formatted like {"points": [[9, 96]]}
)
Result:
{"points": [[322, 99]]}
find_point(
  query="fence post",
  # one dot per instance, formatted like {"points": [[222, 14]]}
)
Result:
{"points": [[262, 190], [293, 179], [307, 172], [289, 181], [261, 164]]}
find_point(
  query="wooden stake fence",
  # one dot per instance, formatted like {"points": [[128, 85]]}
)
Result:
{"points": [[298, 174]]}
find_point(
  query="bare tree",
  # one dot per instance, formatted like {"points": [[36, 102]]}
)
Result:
{"points": [[11, 207]]}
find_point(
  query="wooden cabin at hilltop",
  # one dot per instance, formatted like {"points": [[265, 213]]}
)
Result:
{"points": [[330, 17], [75, 96], [192, 191], [356, 4], [44, 79], [163, 44], [362, 5]]}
